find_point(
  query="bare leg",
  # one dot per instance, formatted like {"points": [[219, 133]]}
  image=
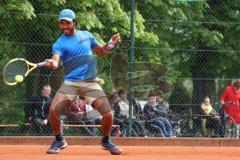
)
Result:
{"points": [[60, 101], [103, 106], [107, 123], [107, 118]]}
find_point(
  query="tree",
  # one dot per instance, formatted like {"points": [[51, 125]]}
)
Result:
{"points": [[197, 39], [31, 27]]}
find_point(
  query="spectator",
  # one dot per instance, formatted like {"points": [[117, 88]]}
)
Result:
{"points": [[119, 119], [163, 105], [77, 110], [113, 99], [38, 110], [155, 116], [230, 99], [77, 114], [120, 105], [213, 120], [123, 102], [93, 117]]}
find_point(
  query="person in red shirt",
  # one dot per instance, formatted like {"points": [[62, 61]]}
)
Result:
{"points": [[230, 99]]}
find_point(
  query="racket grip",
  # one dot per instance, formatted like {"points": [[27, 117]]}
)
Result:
{"points": [[41, 64]]}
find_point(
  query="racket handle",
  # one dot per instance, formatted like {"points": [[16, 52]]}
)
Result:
{"points": [[41, 64]]}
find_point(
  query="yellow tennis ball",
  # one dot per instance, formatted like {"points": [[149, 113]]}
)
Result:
{"points": [[18, 78]]}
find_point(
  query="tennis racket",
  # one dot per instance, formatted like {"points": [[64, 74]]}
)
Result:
{"points": [[17, 69]]}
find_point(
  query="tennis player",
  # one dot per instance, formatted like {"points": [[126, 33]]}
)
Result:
{"points": [[75, 49]]}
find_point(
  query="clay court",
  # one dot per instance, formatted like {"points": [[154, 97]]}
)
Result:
{"points": [[88, 148], [79, 152]]}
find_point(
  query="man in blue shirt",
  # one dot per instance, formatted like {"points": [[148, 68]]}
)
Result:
{"points": [[74, 48]]}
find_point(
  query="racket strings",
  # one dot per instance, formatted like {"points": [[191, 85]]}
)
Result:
{"points": [[14, 68]]}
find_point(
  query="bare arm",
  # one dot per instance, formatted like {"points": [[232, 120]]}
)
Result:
{"points": [[104, 50]]}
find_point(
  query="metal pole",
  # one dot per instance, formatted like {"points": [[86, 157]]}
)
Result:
{"points": [[131, 66]]}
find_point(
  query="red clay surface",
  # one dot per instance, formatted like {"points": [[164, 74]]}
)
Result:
{"points": [[80, 152]]}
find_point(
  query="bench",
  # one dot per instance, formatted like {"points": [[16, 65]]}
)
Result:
{"points": [[13, 126], [116, 127]]}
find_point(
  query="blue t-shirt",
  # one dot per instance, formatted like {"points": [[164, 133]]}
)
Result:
{"points": [[76, 54]]}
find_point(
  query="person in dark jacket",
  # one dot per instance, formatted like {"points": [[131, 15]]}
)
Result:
{"points": [[156, 116], [38, 109]]}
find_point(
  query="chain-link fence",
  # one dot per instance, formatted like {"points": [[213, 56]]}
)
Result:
{"points": [[187, 49]]}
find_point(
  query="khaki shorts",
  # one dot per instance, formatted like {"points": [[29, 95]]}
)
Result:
{"points": [[89, 89]]}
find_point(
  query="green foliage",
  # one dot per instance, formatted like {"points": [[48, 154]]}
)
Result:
{"points": [[91, 21], [11, 114], [179, 100], [197, 39], [107, 86], [22, 9], [30, 27]]}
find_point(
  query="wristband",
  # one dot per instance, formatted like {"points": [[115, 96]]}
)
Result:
{"points": [[111, 44]]}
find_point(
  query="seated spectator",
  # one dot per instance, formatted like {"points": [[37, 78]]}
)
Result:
{"points": [[213, 119], [120, 105], [155, 115], [76, 113], [162, 104], [38, 109], [93, 117], [113, 101]]}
